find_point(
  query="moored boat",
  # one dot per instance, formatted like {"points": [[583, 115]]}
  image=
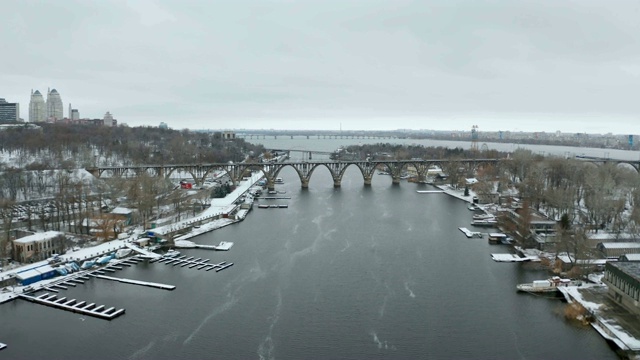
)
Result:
{"points": [[172, 253], [549, 285]]}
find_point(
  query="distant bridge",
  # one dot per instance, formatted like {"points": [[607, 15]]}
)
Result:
{"points": [[317, 136], [603, 160], [304, 169]]}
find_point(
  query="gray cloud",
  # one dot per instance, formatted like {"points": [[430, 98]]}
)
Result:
{"points": [[511, 65]]}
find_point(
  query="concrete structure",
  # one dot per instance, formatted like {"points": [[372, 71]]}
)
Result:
{"points": [[54, 106], [623, 280], [228, 135], [305, 169], [39, 246], [37, 107]]}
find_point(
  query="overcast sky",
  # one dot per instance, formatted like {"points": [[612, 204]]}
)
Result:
{"points": [[539, 65]]}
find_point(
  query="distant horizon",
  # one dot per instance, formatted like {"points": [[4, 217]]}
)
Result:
{"points": [[528, 129]]}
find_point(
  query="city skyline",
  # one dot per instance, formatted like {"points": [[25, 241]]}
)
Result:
{"points": [[548, 66]]}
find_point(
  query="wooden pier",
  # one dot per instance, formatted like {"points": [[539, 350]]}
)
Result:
{"points": [[75, 306], [191, 263]]}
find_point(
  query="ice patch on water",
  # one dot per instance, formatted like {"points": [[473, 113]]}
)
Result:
{"points": [[383, 306], [141, 352], [406, 287], [379, 343], [348, 245], [217, 311], [266, 348]]}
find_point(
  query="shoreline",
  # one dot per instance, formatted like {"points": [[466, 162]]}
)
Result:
{"points": [[217, 209]]}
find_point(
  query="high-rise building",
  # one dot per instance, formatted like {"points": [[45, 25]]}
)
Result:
{"points": [[54, 105], [37, 107], [74, 114], [9, 112], [109, 120]]}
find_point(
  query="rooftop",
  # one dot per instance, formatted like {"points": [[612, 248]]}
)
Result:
{"points": [[38, 237], [632, 268]]}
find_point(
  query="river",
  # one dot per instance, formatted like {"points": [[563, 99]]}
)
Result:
{"points": [[313, 143], [376, 272]]}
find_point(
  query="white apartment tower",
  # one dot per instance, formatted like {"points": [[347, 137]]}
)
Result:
{"points": [[54, 105], [109, 120], [37, 107]]}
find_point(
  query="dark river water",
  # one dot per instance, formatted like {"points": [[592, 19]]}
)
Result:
{"points": [[378, 272]]}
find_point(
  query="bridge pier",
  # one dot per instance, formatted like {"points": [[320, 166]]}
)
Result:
{"points": [[395, 180], [367, 181], [336, 183], [305, 183]]}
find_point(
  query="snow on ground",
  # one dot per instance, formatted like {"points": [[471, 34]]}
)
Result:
{"points": [[217, 208]]}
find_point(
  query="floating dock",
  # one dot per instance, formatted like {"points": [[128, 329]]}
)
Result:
{"points": [[137, 282], [75, 306], [223, 246], [429, 191], [470, 234]]}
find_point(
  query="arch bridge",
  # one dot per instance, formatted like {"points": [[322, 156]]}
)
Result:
{"points": [[304, 169]]}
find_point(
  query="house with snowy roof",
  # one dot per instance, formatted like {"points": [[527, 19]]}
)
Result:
{"points": [[38, 246]]}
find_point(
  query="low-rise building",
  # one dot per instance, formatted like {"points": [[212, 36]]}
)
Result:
{"points": [[623, 280], [38, 246], [617, 249]]}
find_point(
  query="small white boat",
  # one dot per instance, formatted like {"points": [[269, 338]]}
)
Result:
{"points": [[485, 222], [171, 253], [278, 181], [484, 217]]}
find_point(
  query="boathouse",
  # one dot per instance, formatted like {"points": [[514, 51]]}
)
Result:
{"points": [[623, 280], [33, 275], [617, 249]]}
